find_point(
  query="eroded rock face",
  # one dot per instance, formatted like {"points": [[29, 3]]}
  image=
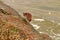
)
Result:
{"points": [[7, 9], [14, 27]]}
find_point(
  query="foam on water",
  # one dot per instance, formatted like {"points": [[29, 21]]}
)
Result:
{"points": [[35, 26], [55, 33], [49, 13], [39, 20]]}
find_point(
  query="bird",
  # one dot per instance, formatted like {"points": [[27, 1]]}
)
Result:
{"points": [[28, 16]]}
